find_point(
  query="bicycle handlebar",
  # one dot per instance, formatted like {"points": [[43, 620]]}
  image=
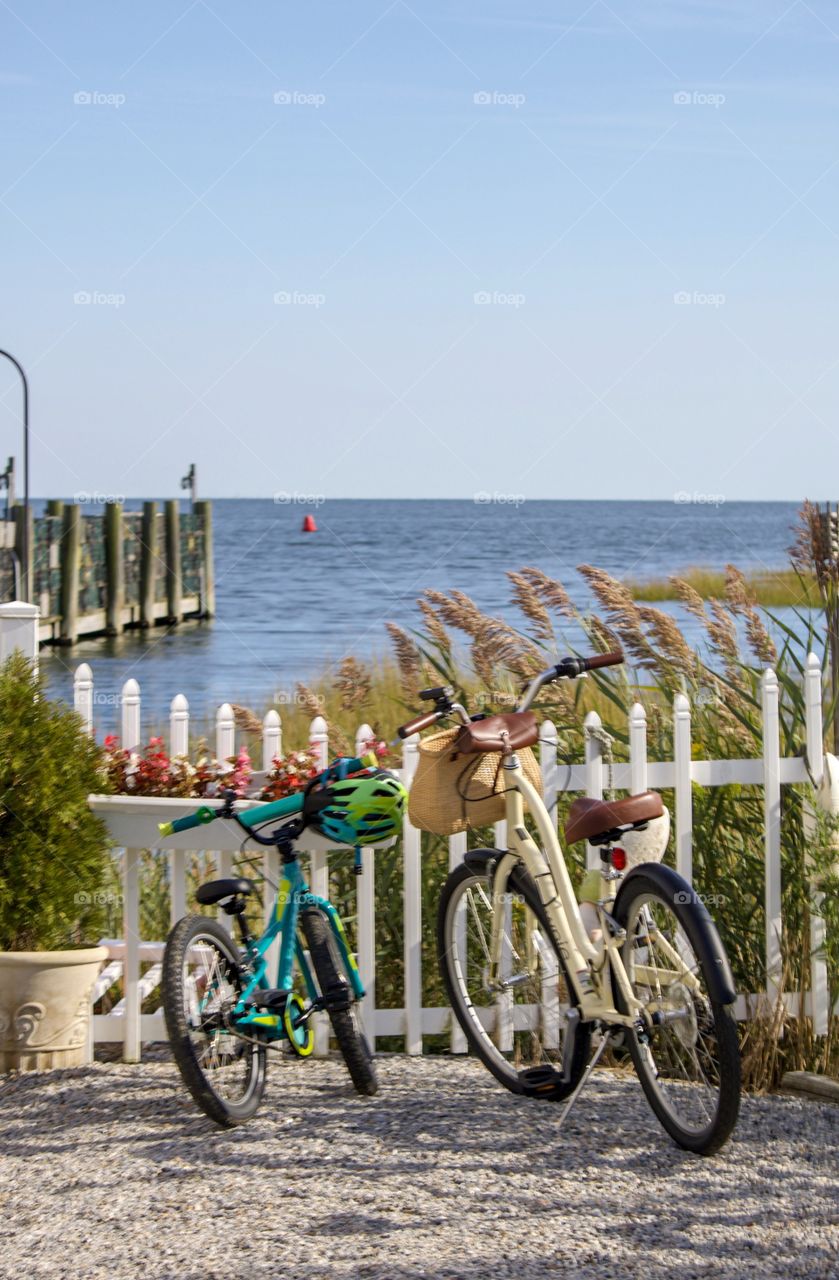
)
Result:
{"points": [[197, 819], [421, 722], [566, 669], [276, 809]]}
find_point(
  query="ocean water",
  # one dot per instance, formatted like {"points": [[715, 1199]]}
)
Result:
{"points": [[290, 604]]}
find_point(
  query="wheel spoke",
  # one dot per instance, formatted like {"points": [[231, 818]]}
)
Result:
{"points": [[683, 1052]]}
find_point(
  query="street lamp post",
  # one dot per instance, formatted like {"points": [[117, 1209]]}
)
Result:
{"points": [[24, 570]]}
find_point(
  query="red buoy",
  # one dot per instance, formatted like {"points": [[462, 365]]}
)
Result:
{"points": [[309, 525]]}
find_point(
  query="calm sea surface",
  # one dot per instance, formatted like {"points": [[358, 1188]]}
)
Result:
{"points": [[289, 604]]}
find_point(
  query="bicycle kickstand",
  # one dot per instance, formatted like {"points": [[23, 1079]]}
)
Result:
{"points": [[584, 1078]]}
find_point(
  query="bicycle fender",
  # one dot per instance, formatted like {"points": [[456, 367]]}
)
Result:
{"points": [[483, 862], [709, 948]]}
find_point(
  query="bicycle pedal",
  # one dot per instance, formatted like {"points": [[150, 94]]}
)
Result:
{"points": [[539, 1079]]}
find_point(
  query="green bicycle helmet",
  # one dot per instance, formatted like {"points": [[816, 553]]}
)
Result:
{"points": [[365, 809]]}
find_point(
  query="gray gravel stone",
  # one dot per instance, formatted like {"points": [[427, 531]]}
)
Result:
{"points": [[110, 1171]]}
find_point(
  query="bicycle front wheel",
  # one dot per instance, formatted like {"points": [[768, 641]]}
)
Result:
{"points": [[339, 999], [518, 1025], [201, 985], [689, 1062]]}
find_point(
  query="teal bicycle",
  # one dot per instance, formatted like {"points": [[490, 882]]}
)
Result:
{"points": [[222, 1013]]}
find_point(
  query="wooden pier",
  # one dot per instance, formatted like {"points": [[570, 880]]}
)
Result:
{"points": [[95, 575]]}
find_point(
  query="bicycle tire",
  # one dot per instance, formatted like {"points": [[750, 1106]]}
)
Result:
{"points": [[226, 1112], [715, 1041], [540, 1081], [328, 966]]}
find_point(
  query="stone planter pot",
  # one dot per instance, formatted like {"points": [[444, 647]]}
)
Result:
{"points": [[45, 1007]]}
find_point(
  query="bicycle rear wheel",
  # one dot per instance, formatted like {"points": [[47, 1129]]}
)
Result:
{"points": [[688, 1064], [518, 1029], [340, 1000], [201, 984]]}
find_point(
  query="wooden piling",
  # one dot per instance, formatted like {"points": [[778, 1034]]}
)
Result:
{"points": [[114, 568], [71, 552], [148, 564], [173, 560], [204, 510], [21, 542]]}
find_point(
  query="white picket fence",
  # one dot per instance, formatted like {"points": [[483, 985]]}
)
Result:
{"points": [[133, 825]]}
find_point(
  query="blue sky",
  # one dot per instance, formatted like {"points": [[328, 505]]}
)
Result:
{"points": [[386, 249]]}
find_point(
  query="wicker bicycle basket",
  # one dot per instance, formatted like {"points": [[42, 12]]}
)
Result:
{"points": [[453, 792]]}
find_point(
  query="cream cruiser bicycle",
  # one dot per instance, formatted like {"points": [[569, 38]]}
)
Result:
{"points": [[535, 985]]}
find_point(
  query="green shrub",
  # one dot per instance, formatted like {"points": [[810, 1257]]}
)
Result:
{"points": [[53, 850]]}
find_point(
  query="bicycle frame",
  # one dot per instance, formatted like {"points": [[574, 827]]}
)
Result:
{"points": [[590, 966], [293, 895]]}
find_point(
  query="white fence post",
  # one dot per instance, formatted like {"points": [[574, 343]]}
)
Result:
{"points": [[547, 765], [272, 739], [179, 726], [130, 716], [772, 821], [319, 741], [19, 626], [684, 796], [225, 750], [819, 987], [272, 746], [132, 1043], [813, 712], [366, 923], [363, 737], [225, 732], [637, 749], [412, 860], [319, 869], [178, 746], [83, 694], [594, 775]]}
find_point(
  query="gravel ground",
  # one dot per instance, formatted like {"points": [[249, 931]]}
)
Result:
{"points": [[109, 1171]]}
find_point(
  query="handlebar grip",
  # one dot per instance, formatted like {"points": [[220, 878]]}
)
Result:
{"points": [[421, 722], [603, 660], [368, 761], [197, 819]]}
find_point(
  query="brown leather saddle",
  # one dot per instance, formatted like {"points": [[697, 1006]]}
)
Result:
{"points": [[511, 732], [595, 819]]}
